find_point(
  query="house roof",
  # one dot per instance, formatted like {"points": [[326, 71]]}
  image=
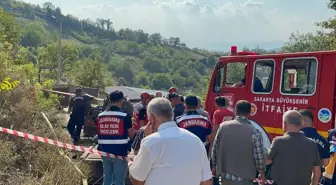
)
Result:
{"points": [[132, 93]]}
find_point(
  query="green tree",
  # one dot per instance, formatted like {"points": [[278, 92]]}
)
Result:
{"points": [[48, 5], [127, 47], [332, 4], [141, 79], [153, 65], [161, 81], [89, 73], [23, 56], [178, 80], [125, 71], [191, 81], [10, 32], [141, 37], [201, 68], [257, 49], [211, 61], [34, 35], [48, 57], [308, 42], [155, 38]]}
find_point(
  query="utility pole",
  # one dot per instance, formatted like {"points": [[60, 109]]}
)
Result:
{"points": [[59, 54], [39, 69]]}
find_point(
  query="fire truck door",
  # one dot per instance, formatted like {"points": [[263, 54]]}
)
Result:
{"points": [[234, 83]]}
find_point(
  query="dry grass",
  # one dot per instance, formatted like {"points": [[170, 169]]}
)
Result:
{"points": [[26, 162]]}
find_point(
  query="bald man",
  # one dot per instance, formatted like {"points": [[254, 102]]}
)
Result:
{"points": [[293, 156]]}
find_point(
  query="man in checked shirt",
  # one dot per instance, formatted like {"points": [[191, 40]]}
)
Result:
{"points": [[137, 140], [231, 158]]}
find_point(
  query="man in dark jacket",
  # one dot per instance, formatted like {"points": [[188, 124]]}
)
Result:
{"points": [[77, 111]]}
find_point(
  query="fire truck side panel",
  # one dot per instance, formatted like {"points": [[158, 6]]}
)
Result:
{"points": [[299, 81], [323, 119]]}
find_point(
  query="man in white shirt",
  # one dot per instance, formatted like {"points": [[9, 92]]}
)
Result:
{"points": [[169, 155]]}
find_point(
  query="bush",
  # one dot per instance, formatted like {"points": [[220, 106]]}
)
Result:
{"points": [[28, 162]]}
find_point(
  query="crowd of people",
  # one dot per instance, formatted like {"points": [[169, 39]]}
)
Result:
{"points": [[176, 142]]}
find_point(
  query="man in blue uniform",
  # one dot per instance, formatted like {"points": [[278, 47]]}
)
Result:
{"points": [[257, 85], [193, 121], [310, 132], [114, 132], [77, 110]]}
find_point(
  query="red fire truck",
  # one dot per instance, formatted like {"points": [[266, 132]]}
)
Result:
{"points": [[289, 81]]}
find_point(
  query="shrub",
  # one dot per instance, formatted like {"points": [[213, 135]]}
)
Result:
{"points": [[28, 162], [8, 85]]}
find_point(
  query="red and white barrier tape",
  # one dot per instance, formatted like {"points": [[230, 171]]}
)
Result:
{"points": [[75, 147], [61, 144], [267, 181], [68, 94]]}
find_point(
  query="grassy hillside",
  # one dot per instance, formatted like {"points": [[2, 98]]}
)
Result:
{"points": [[124, 57], [95, 54]]}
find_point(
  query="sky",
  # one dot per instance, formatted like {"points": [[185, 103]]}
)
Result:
{"points": [[209, 24]]}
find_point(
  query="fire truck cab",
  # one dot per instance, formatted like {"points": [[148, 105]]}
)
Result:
{"points": [[275, 83]]}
